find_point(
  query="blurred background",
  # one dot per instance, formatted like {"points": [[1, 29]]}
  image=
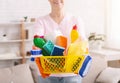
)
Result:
{"points": [[99, 16]]}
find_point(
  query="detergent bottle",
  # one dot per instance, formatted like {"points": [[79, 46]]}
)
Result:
{"points": [[38, 41], [35, 52], [74, 34]]}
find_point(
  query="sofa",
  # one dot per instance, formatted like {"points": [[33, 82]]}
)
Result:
{"points": [[22, 73], [28, 73], [99, 72], [97, 66]]}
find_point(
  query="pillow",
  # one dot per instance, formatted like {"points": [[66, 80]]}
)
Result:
{"points": [[109, 75]]}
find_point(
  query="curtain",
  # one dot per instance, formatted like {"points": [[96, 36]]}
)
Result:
{"points": [[113, 28]]}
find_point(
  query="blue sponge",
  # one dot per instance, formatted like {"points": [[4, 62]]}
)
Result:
{"points": [[57, 51]]}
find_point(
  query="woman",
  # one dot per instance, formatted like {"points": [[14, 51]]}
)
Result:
{"points": [[58, 22]]}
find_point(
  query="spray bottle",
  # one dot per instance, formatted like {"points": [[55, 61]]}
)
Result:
{"points": [[74, 34]]}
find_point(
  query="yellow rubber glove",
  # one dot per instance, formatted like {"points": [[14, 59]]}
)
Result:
{"points": [[78, 48]]}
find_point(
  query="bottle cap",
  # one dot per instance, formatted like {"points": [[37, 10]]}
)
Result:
{"points": [[37, 36], [74, 27]]}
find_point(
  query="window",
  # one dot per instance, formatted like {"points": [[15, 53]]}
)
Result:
{"points": [[113, 22]]}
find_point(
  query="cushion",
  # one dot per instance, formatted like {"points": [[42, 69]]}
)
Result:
{"points": [[5, 75], [109, 75], [17, 74]]}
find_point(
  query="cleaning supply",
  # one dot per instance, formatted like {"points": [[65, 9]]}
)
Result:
{"points": [[74, 34], [35, 52], [39, 42], [78, 48], [47, 48], [57, 51], [61, 41], [85, 66]]}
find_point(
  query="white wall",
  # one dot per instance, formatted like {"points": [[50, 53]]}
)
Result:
{"points": [[15, 9], [91, 11]]}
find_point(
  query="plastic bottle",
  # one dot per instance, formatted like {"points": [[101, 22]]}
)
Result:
{"points": [[61, 41], [74, 34], [35, 52], [39, 42]]}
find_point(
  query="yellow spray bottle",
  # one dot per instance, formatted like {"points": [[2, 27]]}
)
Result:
{"points": [[74, 34]]}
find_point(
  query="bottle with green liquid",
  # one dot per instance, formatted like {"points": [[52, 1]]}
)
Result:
{"points": [[38, 41]]}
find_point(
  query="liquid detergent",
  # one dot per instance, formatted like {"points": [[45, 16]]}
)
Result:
{"points": [[74, 34]]}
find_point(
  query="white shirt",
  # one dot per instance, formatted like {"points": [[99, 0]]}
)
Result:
{"points": [[48, 28]]}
